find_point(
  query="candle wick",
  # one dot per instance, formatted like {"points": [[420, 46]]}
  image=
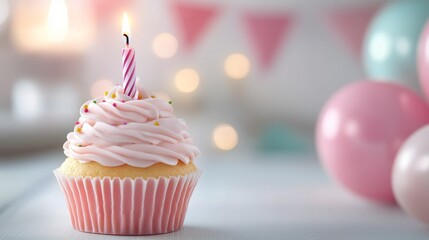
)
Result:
{"points": [[127, 39]]}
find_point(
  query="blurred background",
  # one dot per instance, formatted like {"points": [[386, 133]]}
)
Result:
{"points": [[245, 75], [250, 79]]}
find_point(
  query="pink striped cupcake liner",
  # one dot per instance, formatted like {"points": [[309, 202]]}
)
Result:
{"points": [[127, 206]]}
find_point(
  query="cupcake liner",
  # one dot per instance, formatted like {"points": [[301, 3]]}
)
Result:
{"points": [[127, 206]]}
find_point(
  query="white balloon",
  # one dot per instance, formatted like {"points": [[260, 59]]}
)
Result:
{"points": [[410, 178]]}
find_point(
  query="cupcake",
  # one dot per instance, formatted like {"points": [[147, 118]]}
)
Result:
{"points": [[130, 166]]}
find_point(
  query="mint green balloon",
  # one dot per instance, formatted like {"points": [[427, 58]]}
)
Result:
{"points": [[390, 47]]}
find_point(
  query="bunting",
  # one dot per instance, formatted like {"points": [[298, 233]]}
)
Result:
{"points": [[109, 11], [350, 24], [266, 32], [193, 20]]}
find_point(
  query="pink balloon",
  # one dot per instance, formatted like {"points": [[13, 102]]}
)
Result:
{"points": [[423, 60], [360, 131]]}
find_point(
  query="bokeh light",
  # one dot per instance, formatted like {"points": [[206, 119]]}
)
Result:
{"points": [[225, 137], [58, 21], [52, 26], [237, 66], [187, 80], [99, 87], [27, 100], [4, 11], [164, 45]]}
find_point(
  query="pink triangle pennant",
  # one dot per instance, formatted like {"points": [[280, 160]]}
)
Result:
{"points": [[113, 7], [350, 24], [266, 31], [192, 20]]}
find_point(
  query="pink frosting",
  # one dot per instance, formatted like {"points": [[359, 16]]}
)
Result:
{"points": [[115, 129]]}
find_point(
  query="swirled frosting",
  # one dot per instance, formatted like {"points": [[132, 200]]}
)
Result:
{"points": [[116, 129]]}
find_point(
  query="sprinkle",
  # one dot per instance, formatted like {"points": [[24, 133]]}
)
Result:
{"points": [[123, 101], [104, 100], [106, 92], [156, 123], [94, 101], [80, 145], [125, 123], [153, 96], [78, 130], [85, 106], [76, 123], [114, 104], [113, 95], [86, 110], [170, 102], [140, 96]]}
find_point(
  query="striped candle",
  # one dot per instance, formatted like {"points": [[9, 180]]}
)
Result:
{"points": [[128, 61], [129, 71]]}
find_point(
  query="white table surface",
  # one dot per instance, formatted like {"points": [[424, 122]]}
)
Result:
{"points": [[239, 196]]}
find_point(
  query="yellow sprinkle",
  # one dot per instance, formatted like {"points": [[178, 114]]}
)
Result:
{"points": [[153, 96], [140, 96], [78, 130], [85, 106], [113, 95], [106, 92], [156, 123]]}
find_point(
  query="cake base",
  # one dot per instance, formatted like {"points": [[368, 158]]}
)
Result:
{"points": [[74, 168]]}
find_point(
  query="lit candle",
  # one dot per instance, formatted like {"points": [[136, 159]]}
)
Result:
{"points": [[128, 61]]}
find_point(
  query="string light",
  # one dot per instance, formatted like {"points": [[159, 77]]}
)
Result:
{"points": [[164, 45], [100, 87], [187, 80], [237, 66], [225, 137]]}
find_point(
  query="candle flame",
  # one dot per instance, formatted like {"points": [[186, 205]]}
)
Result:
{"points": [[57, 20], [125, 25]]}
